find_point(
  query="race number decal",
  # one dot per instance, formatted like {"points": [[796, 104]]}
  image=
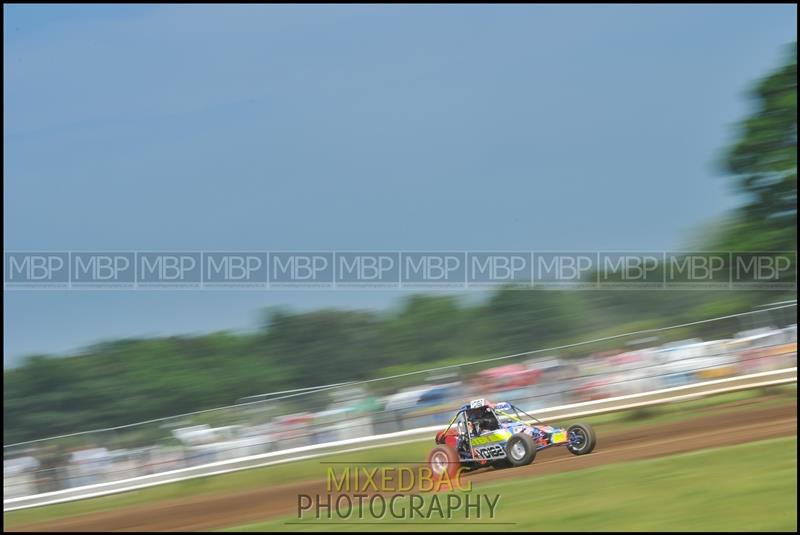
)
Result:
{"points": [[490, 452], [477, 403]]}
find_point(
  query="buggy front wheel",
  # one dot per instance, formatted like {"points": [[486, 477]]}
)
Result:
{"points": [[581, 439]]}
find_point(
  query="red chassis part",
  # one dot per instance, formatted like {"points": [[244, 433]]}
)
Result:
{"points": [[450, 437]]}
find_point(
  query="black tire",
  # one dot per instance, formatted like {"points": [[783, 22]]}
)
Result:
{"points": [[444, 458], [500, 464], [582, 439], [520, 450]]}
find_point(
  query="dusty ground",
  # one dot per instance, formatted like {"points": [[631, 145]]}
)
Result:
{"points": [[223, 510]]}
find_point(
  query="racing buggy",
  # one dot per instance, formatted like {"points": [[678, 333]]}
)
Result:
{"points": [[501, 435]]}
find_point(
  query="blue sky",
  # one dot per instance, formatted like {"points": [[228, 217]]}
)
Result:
{"points": [[357, 127]]}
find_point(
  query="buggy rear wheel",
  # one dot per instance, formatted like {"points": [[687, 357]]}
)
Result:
{"points": [[444, 458], [520, 450]]}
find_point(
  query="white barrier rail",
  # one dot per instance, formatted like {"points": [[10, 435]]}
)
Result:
{"points": [[588, 408]]}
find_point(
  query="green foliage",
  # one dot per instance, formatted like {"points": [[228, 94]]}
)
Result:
{"points": [[325, 346], [763, 165]]}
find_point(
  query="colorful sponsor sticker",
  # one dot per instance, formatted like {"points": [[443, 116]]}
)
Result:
{"points": [[497, 436]]}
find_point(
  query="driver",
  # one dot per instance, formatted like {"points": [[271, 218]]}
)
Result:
{"points": [[482, 422]]}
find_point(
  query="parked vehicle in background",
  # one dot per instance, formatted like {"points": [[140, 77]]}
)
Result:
{"points": [[715, 361], [19, 476], [765, 349], [675, 362], [632, 373], [555, 383], [210, 444], [292, 430], [508, 377]]}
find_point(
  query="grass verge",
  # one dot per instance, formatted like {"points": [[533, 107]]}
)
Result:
{"points": [[750, 487], [310, 469]]}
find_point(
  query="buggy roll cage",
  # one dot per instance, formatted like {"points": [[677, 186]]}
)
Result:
{"points": [[516, 416]]}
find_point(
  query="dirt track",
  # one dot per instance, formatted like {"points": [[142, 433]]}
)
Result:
{"points": [[223, 510]]}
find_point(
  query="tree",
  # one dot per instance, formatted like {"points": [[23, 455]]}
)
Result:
{"points": [[763, 162]]}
